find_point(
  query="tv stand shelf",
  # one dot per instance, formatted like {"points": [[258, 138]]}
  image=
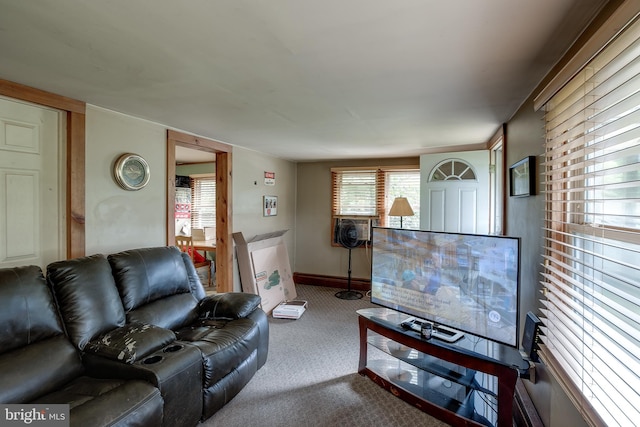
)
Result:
{"points": [[460, 383]]}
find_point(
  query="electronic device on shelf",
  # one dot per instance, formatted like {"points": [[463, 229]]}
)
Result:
{"points": [[466, 282], [440, 332], [530, 338]]}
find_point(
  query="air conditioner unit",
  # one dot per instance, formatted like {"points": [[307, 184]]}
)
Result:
{"points": [[363, 226]]}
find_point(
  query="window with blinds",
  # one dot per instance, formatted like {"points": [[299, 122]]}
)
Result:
{"points": [[354, 193], [203, 202], [368, 193], [591, 275], [402, 183]]}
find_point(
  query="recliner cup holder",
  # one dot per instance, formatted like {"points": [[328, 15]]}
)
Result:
{"points": [[173, 348], [151, 360]]}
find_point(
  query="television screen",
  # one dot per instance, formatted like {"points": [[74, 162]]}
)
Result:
{"points": [[468, 282]]}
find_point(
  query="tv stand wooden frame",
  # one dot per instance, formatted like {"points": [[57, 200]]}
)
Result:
{"points": [[506, 375]]}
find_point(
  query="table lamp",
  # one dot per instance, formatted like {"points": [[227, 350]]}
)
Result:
{"points": [[401, 207]]}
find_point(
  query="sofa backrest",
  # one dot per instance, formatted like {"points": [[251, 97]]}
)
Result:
{"points": [[87, 297], [35, 355], [157, 285]]}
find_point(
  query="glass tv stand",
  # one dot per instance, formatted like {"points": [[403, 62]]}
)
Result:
{"points": [[468, 382]]}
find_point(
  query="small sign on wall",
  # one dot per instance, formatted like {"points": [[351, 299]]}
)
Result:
{"points": [[270, 205], [183, 203], [269, 178]]}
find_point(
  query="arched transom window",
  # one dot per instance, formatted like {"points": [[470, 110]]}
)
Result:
{"points": [[452, 169]]}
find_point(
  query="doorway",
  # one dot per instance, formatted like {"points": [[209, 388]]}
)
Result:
{"points": [[454, 192], [224, 245], [74, 152], [32, 193]]}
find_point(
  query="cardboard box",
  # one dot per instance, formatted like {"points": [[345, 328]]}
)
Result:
{"points": [[209, 233], [197, 234], [264, 268]]}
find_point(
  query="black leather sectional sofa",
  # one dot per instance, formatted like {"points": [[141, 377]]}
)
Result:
{"points": [[128, 339]]}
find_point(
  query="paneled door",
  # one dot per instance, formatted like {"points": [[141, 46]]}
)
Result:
{"points": [[454, 192], [32, 230]]}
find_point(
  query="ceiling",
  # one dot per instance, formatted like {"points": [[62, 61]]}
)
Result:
{"points": [[186, 155], [302, 80]]}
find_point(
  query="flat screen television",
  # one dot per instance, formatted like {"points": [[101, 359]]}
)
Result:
{"points": [[468, 282]]}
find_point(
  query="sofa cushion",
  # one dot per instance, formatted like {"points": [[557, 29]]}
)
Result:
{"points": [[223, 344], [105, 402], [145, 275], [230, 305], [172, 312], [27, 310], [87, 296], [155, 286], [130, 342], [37, 369], [220, 393], [195, 284]]}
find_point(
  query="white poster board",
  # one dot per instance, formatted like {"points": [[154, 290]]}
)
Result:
{"points": [[268, 277], [263, 262]]}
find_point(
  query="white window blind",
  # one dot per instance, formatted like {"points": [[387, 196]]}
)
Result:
{"points": [[203, 202], [370, 192], [354, 192], [591, 274]]}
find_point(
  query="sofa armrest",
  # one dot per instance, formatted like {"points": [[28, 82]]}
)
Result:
{"points": [[130, 342], [230, 305]]}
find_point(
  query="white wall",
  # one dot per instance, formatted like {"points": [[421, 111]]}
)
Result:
{"points": [[248, 190], [118, 220]]}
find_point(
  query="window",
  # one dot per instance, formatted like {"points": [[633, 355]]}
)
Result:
{"points": [[452, 169], [367, 193], [203, 201], [402, 183], [591, 276], [355, 192]]}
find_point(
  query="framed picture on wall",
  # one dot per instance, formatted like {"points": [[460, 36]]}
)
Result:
{"points": [[522, 180], [270, 205]]}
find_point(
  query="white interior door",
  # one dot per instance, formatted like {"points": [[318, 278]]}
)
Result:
{"points": [[31, 189], [454, 192]]}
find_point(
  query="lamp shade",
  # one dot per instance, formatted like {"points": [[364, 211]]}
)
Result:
{"points": [[401, 207]]}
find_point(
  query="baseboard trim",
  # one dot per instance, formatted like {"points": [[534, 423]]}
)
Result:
{"points": [[357, 284]]}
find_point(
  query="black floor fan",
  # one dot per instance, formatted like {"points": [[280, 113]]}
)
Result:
{"points": [[347, 236]]}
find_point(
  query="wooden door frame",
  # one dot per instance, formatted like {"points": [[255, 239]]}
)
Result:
{"points": [[75, 156], [224, 243], [501, 137]]}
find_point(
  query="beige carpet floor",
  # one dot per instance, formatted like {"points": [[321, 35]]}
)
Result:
{"points": [[311, 379]]}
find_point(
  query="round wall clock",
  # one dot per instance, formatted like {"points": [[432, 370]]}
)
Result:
{"points": [[131, 171]]}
